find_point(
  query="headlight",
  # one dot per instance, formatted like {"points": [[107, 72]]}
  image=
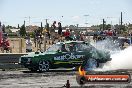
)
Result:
{"points": [[19, 60]]}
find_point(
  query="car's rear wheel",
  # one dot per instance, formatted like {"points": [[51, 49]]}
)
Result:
{"points": [[91, 64], [43, 66]]}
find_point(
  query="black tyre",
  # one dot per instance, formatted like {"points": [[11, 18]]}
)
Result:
{"points": [[43, 66], [91, 64], [80, 80]]}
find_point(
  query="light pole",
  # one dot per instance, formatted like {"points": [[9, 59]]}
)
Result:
{"points": [[86, 19], [29, 18], [111, 20]]}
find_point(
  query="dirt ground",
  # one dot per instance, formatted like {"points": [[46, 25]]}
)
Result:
{"points": [[52, 79]]}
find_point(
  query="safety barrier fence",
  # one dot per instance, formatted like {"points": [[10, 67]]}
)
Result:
{"points": [[10, 60]]}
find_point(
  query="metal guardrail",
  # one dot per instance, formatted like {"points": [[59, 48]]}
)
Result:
{"points": [[10, 60]]}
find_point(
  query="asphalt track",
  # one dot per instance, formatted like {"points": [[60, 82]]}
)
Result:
{"points": [[51, 79]]}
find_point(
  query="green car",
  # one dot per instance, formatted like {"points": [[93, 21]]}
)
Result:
{"points": [[65, 54]]}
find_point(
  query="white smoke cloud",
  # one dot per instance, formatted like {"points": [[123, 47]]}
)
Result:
{"points": [[122, 60]]}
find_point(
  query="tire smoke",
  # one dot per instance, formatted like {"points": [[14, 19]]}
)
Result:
{"points": [[121, 59]]}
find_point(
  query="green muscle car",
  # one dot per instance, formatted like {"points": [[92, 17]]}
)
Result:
{"points": [[65, 54]]}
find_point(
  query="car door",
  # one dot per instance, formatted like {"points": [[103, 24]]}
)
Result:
{"points": [[62, 56], [76, 56]]}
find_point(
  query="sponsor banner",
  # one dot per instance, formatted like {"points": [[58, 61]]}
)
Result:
{"points": [[104, 78]]}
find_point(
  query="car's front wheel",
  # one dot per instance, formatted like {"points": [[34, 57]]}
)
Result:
{"points": [[43, 66]]}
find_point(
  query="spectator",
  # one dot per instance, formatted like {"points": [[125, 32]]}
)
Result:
{"points": [[63, 48], [77, 34], [67, 35], [1, 33], [109, 33], [101, 32], [35, 37], [47, 30], [95, 37], [72, 35], [114, 32], [28, 45], [81, 37], [130, 35], [59, 30], [53, 27], [5, 45], [52, 31]]}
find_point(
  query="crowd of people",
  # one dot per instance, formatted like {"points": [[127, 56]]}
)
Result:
{"points": [[101, 35], [53, 32], [4, 42], [68, 34]]}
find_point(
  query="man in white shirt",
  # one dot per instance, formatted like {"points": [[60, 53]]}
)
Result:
{"points": [[28, 45]]}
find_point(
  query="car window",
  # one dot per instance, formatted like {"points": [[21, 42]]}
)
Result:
{"points": [[83, 47], [54, 47], [63, 48], [70, 47]]}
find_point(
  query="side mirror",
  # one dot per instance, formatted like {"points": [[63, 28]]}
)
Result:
{"points": [[58, 51]]}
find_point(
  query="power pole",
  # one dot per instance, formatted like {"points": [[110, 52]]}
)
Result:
{"points": [[77, 26], [29, 19], [121, 27], [41, 28], [18, 26], [86, 19], [24, 23], [46, 20], [121, 19], [103, 24]]}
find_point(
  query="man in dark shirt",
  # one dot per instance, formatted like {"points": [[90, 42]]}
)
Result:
{"points": [[63, 49], [52, 31]]}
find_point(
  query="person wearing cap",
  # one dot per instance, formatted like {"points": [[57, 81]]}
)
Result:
{"points": [[0, 33]]}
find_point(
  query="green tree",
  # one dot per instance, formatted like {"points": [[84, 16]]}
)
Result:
{"points": [[130, 27], [23, 30], [108, 26]]}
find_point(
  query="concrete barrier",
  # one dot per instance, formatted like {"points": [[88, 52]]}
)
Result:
{"points": [[10, 60]]}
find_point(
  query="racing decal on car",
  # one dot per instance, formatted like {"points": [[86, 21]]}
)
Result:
{"points": [[68, 57]]}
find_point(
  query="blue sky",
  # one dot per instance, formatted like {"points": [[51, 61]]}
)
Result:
{"points": [[13, 12]]}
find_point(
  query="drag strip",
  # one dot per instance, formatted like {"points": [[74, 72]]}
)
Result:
{"points": [[51, 79]]}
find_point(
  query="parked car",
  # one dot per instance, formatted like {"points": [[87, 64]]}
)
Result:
{"points": [[65, 54]]}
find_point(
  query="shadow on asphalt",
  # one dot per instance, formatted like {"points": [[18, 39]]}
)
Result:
{"points": [[52, 70]]}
